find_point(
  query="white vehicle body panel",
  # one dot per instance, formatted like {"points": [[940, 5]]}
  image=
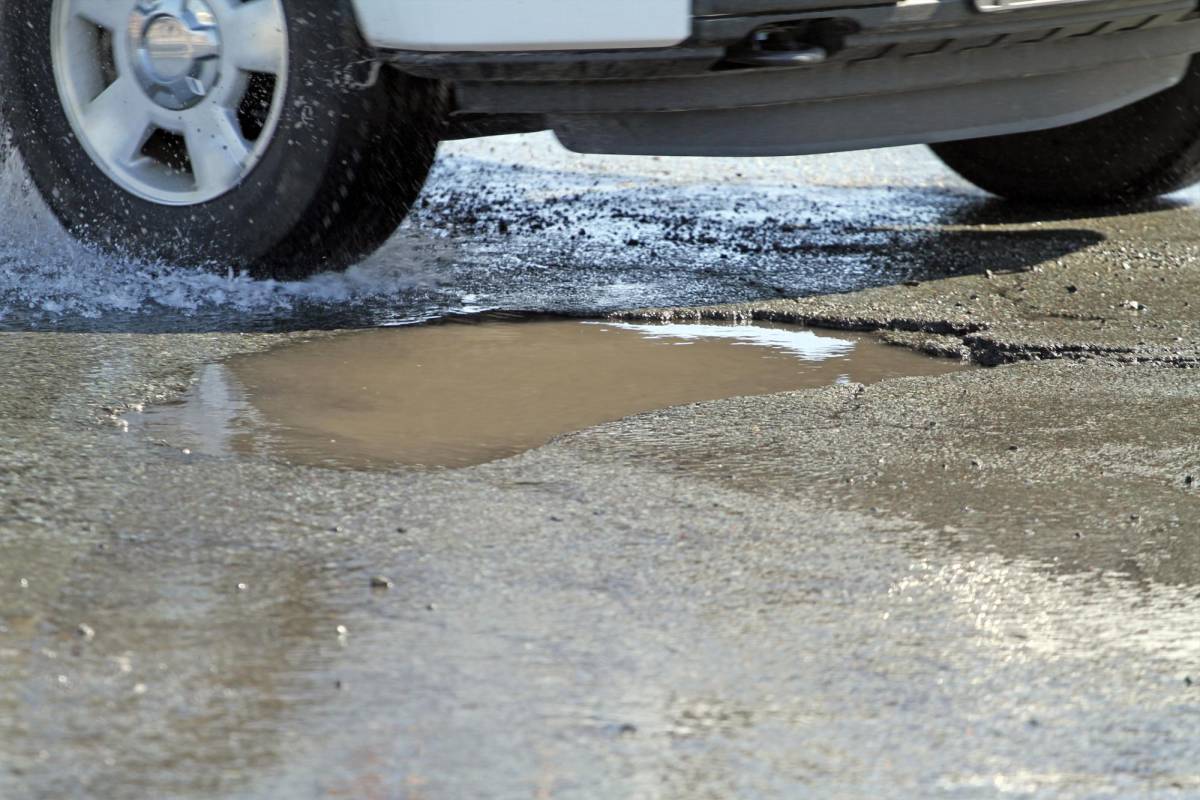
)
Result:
{"points": [[523, 25]]}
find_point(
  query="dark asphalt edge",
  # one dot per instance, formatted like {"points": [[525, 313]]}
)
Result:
{"points": [[969, 341]]}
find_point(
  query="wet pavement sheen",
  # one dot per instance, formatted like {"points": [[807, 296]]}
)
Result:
{"points": [[967, 585]]}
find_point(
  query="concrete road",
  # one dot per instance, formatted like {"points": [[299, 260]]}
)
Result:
{"points": [[976, 585]]}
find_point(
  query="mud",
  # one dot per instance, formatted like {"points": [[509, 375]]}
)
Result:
{"points": [[466, 393]]}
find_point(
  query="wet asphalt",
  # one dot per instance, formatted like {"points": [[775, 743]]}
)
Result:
{"points": [[973, 585]]}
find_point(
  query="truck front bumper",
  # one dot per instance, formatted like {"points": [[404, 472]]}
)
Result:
{"points": [[915, 71]]}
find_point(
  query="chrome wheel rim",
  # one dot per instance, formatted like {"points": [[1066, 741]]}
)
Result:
{"points": [[174, 100]]}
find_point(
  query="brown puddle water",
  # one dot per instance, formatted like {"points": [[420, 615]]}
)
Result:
{"points": [[454, 395]]}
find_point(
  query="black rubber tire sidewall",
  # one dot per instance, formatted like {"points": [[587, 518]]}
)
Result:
{"points": [[1144, 150]]}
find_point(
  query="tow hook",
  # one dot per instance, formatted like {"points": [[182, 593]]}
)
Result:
{"points": [[799, 57], [797, 44]]}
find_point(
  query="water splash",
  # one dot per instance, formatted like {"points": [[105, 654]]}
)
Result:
{"points": [[510, 223], [47, 279]]}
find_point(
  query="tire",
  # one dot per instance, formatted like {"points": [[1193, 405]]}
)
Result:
{"points": [[1133, 154], [348, 143]]}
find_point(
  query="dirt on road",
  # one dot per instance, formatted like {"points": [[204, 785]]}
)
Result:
{"points": [[960, 585]]}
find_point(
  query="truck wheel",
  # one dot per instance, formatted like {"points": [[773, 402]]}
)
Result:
{"points": [[1144, 150], [253, 134]]}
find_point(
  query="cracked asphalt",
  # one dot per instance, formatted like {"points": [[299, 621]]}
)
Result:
{"points": [[972, 585]]}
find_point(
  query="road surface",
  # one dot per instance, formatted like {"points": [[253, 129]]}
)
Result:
{"points": [[978, 584]]}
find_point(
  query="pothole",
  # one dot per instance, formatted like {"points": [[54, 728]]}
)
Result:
{"points": [[456, 395]]}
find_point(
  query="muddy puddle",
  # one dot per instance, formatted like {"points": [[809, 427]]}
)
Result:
{"points": [[455, 395]]}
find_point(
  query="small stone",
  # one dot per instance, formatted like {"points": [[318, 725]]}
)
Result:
{"points": [[976, 463], [381, 582], [1188, 681], [241, 587], [1189, 480], [1072, 289], [342, 631], [86, 631], [1133, 305], [430, 607], [24, 582]]}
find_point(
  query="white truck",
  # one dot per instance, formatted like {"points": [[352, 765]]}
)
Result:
{"points": [[290, 136]]}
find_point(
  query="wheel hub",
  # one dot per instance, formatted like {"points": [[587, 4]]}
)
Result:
{"points": [[175, 101], [177, 48]]}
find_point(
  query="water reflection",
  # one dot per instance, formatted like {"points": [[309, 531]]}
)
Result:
{"points": [[456, 395]]}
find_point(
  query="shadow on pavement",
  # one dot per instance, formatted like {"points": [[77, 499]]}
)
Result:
{"points": [[497, 237]]}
